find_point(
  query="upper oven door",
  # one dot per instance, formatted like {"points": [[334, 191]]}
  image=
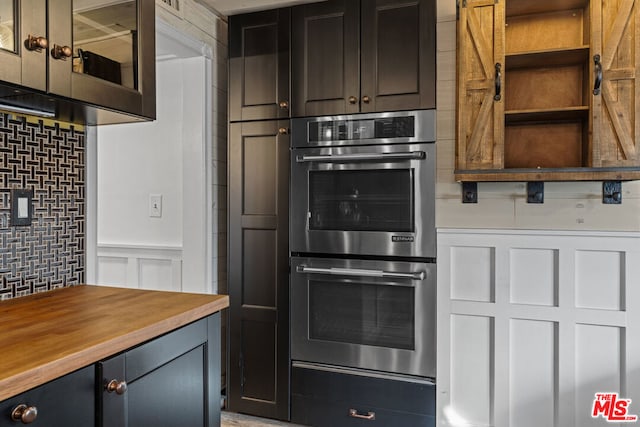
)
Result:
{"points": [[364, 200]]}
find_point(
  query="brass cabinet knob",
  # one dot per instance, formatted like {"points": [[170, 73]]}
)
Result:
{"points": [[366, 99], [353, 100], [283, 131], [34, 43], [119, 387], [61, 52], [25, 414], [283, 105]]}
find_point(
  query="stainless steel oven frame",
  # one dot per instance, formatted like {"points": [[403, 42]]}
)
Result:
{"points": [[419, 276], [416, 153]]}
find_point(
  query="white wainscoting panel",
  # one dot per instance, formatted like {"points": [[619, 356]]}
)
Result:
{"points": [[531, 324], [142, 267]]}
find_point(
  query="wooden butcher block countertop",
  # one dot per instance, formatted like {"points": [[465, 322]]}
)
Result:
{"points": [[47, 335]]}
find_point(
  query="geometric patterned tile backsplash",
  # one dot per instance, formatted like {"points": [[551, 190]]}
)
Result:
{"points": [[49, 160]]}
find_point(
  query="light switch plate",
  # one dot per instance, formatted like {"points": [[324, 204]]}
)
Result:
{"points": [[21, 207], [155, 205]]}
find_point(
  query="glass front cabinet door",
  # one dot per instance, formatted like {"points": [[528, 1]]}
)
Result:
{"points": [[97, 58]]}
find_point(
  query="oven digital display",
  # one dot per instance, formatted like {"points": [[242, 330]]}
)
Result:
{"points": [[356, 130]]}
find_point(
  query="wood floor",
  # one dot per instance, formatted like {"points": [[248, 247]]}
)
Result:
{"points": [[231, 419]]}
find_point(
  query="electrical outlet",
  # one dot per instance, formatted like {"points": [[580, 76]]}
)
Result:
{"points": [[155, 205]]}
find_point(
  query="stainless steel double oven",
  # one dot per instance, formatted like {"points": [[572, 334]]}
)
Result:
{"points": [[362, 238]]}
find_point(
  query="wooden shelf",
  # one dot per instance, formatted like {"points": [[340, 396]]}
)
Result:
{"points": [[568, 114], [547, 58], [527, 7], [560, 174]]}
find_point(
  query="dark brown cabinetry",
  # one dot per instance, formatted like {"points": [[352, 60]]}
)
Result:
{"points": [[66, 401], [80, 64], [363, 56], [342, 398], [170, 381], [258, 268], [259, 65]]}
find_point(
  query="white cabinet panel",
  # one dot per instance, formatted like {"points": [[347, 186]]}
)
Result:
{"points": [[599, 280], [598, 368], [532, 384], [157, 274], [471, 358], [534, 276], [472, 277], [112, 271]]}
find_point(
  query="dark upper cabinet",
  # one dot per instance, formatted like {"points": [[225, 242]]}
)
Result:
{"points": [[363, 56], [325, 62], [259, 65], [79, 62]]}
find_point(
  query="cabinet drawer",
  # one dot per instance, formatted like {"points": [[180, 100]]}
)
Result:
{"points": [[326, 397], [66, 401], [320, 413]]}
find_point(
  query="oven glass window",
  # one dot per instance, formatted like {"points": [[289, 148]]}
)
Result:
{"points": [[356, 313], [361, 200]]}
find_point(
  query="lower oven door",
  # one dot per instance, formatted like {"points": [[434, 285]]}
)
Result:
{"points": [[377, 315]]}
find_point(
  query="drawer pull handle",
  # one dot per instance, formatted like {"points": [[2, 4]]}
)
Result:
{"points": [[354, 414], [25, 414], [120, 387]]}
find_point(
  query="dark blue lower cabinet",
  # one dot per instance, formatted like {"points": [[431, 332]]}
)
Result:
{"points": [[172, 381], [64, 402], [327, 398]]}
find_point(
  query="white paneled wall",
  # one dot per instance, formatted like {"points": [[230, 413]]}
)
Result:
{"points": [[142, 267], [531, 324]]}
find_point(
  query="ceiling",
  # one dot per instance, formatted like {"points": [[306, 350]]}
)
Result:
{"points": [[232, 7]]}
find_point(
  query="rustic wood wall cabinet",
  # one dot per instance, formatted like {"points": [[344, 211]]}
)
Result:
{"points": [[547, 90], [93, 65]]}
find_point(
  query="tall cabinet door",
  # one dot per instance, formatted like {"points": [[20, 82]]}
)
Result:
{"points": [[259, 268], [480, 124], [398, 45], [326, 58], [259, 65], [616, 61]]}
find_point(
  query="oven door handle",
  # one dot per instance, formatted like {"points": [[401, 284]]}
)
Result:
{"points": [[418, 275], [412, 155]]}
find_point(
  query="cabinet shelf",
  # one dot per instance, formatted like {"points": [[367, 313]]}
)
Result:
{"points": [[567, 114], [547, 58], [548, 174], [527, 7]]}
